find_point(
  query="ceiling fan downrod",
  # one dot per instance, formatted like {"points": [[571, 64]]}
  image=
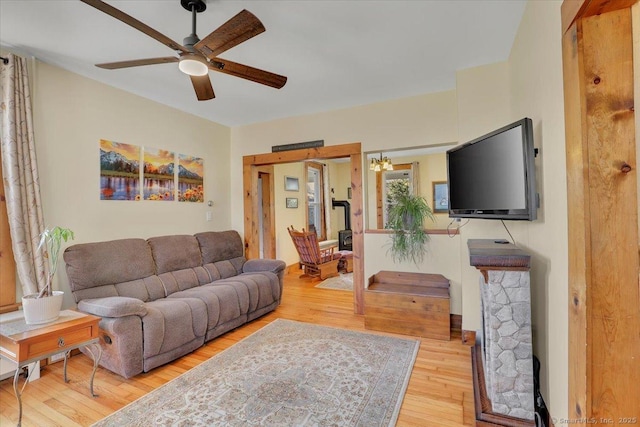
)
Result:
{"points": [[195, 7]]}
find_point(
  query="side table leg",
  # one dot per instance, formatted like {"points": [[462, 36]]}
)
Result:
{"points": [[18, 394], [64, 367], [96, 361], [18, 390]]}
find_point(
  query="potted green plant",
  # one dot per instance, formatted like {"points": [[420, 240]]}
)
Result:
{"points": [[406, 220], [44, 306]]}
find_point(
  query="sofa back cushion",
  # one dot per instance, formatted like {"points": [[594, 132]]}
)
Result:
{"points": [[177, 252], [95, 268], [220, 246]]}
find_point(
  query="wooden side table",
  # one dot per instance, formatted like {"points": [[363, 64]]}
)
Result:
{"points": [[24, 344]]}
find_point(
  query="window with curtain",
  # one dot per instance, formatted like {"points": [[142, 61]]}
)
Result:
{"points": [[390, 185], [7, 263], [315, 200]]}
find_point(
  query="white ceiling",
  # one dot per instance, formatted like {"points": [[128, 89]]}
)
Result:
{"points": [[335, 53]]}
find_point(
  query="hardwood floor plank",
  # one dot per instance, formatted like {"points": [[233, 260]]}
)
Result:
{"points": [[439, 393]]}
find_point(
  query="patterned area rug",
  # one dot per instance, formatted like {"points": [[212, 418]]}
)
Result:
{"points": [[286, 374], [343, 282]]}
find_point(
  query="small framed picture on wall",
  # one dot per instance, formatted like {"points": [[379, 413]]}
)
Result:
{"points": [[291, 183], [292, 202], [440, 197]]}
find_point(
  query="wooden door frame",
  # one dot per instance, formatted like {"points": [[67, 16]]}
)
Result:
{"points": [[250, 166], [323, 220], [268, 211], [602, 196]]}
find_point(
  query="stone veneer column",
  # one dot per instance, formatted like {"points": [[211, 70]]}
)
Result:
{"points": [[506, 335], [508, 362]]}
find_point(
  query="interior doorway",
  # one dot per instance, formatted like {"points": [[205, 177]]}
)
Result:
{"points": [[266, 212], [253, 206]]}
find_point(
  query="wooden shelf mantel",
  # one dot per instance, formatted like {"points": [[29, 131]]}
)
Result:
{"points": [[488, 254]]}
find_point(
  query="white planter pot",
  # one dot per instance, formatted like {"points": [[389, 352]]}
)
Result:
{"points": [[42, 310]]}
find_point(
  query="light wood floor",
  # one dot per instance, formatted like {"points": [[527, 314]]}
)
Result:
{"points": [[440, 392]]}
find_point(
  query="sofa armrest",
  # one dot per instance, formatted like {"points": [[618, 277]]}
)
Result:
{"points": [[113, 307], [255, 265]]}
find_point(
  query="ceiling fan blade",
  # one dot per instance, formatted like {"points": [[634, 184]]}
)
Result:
{"points": [[240, 28], [203, 88], [129, 20], [247, 72], [137, 62]]}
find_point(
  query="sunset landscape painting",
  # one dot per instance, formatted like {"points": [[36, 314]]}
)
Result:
{"points": [[190, 179], [158, 171], [119, 171]]}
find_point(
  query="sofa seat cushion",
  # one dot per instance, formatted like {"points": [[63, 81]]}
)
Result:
{"points": [[180, 280], [225, 269], [224, 302], [172, 323], [263, 288]]}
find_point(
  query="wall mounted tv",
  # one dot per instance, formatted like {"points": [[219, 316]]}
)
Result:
{"points": [[493, 176]]}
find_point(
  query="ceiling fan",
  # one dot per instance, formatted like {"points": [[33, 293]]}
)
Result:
{"points": [[196, 57]]}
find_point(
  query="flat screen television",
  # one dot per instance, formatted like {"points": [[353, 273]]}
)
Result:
{"points": [[493, 177]]}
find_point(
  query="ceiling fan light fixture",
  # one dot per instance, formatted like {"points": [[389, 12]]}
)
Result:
{"points": [[193, 66]]}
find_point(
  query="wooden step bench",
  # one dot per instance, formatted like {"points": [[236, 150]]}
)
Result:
{"points": [[408, 303]]}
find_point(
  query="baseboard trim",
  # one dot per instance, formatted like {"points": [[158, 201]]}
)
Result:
{"points": [[468, 338], [456, 323], [482, 403], [293, 268]]}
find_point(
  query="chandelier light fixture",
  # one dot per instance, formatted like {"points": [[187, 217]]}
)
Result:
{"points": [[384, 163]]}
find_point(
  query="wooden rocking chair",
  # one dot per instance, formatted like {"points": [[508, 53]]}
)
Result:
{"points": [[316, 262]]}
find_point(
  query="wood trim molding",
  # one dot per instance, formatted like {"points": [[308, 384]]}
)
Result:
{"points": [[250, 178], [572, 10], [455, 322], [451, 232], [484, 415], [323, 222], [603, 243], [468, 337], [268, 210]]}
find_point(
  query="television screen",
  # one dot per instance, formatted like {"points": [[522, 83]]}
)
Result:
{"points": [[494, 176]]}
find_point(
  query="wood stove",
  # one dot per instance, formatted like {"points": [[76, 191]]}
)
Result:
{"points": [[344, 236]]}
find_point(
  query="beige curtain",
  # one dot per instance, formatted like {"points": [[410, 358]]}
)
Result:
{"points": [[20, 174]]}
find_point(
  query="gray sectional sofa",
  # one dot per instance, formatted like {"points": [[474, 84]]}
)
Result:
{"points": [[164, 297]]}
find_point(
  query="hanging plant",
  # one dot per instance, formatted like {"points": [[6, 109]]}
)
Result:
{"points": [[406, 220]]}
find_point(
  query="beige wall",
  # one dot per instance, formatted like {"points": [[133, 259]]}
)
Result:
{"points": [[285, 250], [410, 122], [71, 114], [417, 121], [537, 92], [483, 106], [486, 98], [529, 84]]}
